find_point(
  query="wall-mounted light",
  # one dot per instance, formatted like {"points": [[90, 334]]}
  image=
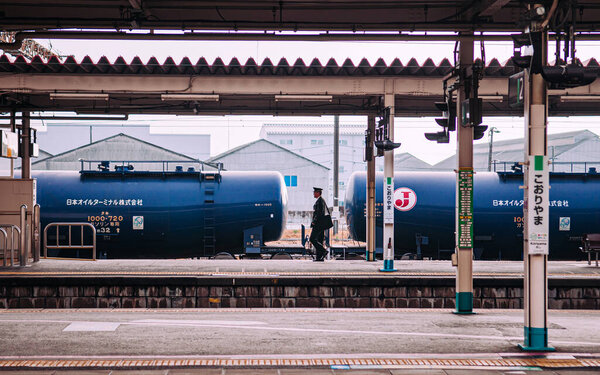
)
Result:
{"points": [[303, 98], [78, 95], [580, 98], [194, 97]]}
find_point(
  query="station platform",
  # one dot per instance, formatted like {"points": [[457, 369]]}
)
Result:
{"points": [[283, 284], [285, 268], [291, 341]]}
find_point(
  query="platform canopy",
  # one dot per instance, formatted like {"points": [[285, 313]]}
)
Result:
{"points": [[295, 15], [282, 88]]}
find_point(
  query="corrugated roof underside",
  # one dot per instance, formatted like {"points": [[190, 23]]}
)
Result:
{"points": [[218, 67]]}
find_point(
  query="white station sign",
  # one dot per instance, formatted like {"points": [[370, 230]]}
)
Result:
{"points": [[538, 215]]}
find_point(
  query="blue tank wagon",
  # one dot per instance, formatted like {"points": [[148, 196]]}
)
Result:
{"points": [[426, 213], [167, 214]]}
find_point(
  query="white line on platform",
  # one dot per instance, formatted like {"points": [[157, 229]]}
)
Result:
{"points": [[219, 324]]}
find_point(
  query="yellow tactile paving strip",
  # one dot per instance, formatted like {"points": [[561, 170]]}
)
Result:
{"points": [[279, 362], [279, 274]]}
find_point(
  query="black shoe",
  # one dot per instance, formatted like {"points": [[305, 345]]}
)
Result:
{"points": [[319, 260]]}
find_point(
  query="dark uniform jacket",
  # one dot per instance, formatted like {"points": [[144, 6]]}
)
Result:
{"points": [[319, 210]]}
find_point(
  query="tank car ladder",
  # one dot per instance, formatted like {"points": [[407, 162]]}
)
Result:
{"points": [[209, 219], [210, 179]]}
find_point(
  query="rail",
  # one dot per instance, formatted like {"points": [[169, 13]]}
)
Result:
{"points": [[70, 246], [15, 233]]}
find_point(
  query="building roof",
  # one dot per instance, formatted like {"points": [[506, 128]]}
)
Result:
{"points": [[511, 150], [92, 145], [218, 158], [322, 129], [407, 161]]}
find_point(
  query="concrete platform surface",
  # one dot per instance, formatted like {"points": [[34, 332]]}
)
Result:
{"points": [[282, 268], [331, 341]]}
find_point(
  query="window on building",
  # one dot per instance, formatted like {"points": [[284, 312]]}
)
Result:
{"points": [[343, 142], [285, 141], [341, 169], [316, 142], [291, 180], [341, 183]]}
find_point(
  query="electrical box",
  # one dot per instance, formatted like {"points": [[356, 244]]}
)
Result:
{"points": [[9, 144], [471, 112]]}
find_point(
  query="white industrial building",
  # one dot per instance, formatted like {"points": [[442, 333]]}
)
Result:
{"points": [[118, 148], [315, 142], [300, 173], [59, 138], [574, 151]]}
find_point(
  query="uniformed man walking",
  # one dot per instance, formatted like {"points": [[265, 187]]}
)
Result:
{"points": [[321, 221]]}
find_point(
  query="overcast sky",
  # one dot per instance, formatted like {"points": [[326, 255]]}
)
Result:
{"points": [[231, 131]]}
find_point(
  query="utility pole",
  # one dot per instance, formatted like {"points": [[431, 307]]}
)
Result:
{"points": [[491, 134], [336, 171]]}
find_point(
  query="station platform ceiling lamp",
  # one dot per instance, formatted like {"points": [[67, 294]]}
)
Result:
{"points": [[190, 97], [303, 98], [580, 98], [78, 96]]}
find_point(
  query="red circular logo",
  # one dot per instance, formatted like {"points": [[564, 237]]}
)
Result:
{"points": [[404, 199]]}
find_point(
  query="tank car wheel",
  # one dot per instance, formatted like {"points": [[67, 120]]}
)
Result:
{"points": [[281, 255], [223, 255]]}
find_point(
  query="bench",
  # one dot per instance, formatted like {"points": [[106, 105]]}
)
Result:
{"points": [[591, 242]]}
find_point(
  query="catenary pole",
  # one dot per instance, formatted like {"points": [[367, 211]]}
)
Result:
{"points": [[388, 188], [535, 207], [371, 194], [464, 196]]}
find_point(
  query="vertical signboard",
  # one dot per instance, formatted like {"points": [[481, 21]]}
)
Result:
{"points": [[465, 208], [388, 201], [537, 204]]}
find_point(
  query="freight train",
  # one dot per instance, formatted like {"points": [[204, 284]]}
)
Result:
{"points": [[424, 218], [142, 214]]}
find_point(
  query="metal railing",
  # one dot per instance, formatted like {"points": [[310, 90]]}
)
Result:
{"points": [[161, 165], [15, 245], [70, 246], [555, 166]]}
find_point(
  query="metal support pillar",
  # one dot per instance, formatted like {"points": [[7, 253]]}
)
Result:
{"points": [[371, 196], [36, 233], [23, 240], [535, 210], [25, 142], [464, 249], [336, 170], [388, 184], [13, 128]]}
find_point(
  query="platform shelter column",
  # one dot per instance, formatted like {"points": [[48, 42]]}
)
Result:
{"points": [[536, 209], [26, 140], [370, 192], [464, 196], [388, 186]]}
